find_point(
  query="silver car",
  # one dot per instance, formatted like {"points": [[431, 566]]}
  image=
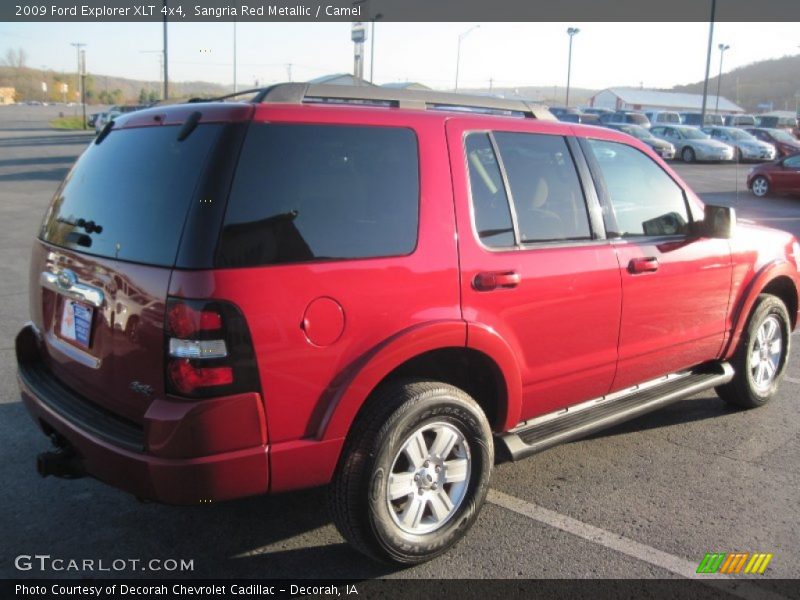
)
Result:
{"points": [[691, 144], [748, 147]]}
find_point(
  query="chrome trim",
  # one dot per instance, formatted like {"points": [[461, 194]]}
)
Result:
{"points": [[65, 282]]}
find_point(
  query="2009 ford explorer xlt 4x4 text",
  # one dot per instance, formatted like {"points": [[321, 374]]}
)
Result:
{"points": [[370, 288]]}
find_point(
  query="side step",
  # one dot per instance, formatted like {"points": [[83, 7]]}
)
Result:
{"points": [[582, 419]]}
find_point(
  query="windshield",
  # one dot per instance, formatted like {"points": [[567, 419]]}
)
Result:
{"points": [[783, 136], [694, 134], [636, 131], [742, 136], [127, 197]]}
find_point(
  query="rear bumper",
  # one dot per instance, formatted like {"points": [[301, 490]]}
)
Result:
{"points": [[185, 453]]}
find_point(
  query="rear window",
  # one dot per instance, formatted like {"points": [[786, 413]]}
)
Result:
{"points": [[321, 192], [127, 198]]}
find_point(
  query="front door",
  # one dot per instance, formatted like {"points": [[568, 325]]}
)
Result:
{"points": [[675, 286]]}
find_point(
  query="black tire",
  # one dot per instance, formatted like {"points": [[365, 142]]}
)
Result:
{"points": [[744, 390], [359, 495], [688, 155]]}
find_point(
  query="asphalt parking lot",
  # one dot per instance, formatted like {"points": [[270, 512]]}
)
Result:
{"points": [[646, 499]]}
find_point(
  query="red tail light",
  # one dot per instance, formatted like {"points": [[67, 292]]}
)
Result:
{"points": [[208, 349]]}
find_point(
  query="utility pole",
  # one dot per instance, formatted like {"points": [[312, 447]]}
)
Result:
{"points": [[78, 46], [83, 85], [166, 58], [234, 56], [289, 71], [708, 62]]}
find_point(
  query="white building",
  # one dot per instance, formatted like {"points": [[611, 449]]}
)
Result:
{"points": [[647, 100]]}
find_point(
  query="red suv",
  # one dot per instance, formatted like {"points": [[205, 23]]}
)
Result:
{"points": [[370, 288]]}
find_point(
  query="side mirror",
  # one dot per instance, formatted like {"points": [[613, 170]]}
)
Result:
{"points": [[719, 222]]}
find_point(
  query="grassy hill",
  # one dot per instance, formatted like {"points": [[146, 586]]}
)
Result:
{"points": [[100, 89], [776, 81]]}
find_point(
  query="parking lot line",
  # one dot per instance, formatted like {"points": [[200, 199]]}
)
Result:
{"points": [[791, 379], [624, 545]]}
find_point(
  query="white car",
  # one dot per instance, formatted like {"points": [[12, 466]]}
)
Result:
{"points": [[747, 146]]}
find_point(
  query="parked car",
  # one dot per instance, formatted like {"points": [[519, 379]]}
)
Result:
{"points": [[747, 146], [781, 176], [663, 117], [785, 143], [626, 117], [778, 122], [558, 111], [740, 121], [692, 144], [369, 296], [586, 119], [694, 119], [90, 121], [596, 110], [661, 147], [112, 113]]}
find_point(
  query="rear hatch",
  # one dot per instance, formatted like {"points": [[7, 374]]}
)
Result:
{"points": [[101, 267]]}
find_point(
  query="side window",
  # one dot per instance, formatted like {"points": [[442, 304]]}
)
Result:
{"points": [[489, 201], [320, 192], [545, 188], [792, 162], [645, 200]]}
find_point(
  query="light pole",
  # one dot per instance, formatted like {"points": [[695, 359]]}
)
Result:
{"points": [[461, 37], [166, 56], [78, 46], [372, 47], [571, 32], [722, 48]]}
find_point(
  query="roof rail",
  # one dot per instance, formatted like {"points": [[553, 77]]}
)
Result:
{"points": [[299, 93]]}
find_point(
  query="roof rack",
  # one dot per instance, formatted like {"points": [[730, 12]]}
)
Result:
{"points": [[300, 93]]}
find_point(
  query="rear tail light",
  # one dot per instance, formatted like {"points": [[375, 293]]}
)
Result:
{"points": [[208, 348]]}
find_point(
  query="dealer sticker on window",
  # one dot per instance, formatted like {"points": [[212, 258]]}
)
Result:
{"points": [[76, 322]]}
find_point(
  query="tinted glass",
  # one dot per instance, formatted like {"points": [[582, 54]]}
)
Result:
{"points": [[545, 188], [316, 192], [127, 197], [793, 162], [489, 200], [646, 201]]}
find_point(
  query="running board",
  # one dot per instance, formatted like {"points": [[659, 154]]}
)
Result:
{"points": [[582, 419]]}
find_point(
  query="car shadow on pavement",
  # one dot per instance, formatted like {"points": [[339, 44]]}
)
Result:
{"points": [[287, 535]]}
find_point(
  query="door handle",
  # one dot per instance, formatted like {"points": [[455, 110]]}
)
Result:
{"points": [[647, 264], [491, 280]]}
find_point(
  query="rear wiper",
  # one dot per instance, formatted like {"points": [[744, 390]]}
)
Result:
{"points": [[89, 226], [189, 125], [104, 133]]}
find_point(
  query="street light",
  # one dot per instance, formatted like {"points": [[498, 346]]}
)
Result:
{"points": [[571, 32], [372, 47], [722, 48], [458, 53]]}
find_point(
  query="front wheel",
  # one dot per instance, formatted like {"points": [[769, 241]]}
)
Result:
{"points": [[760, 359], [688, 154], [414, 472], [760, 186]]}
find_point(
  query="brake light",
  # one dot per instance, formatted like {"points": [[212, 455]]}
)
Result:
{"points": [[208, 349]]}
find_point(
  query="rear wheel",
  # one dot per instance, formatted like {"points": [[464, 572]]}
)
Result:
{"points": [[760, 359], [760, 186], [687, 154], [414, 472]]}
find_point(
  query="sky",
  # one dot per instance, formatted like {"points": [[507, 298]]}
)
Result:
{"points": [[511, 54]]}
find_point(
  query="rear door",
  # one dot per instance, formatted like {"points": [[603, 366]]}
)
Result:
{"points": [[101, 267], [675, 287], [535, 267]]}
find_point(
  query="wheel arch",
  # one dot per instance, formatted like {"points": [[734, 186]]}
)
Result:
{"points": [[466, 356], [777, 278]]}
